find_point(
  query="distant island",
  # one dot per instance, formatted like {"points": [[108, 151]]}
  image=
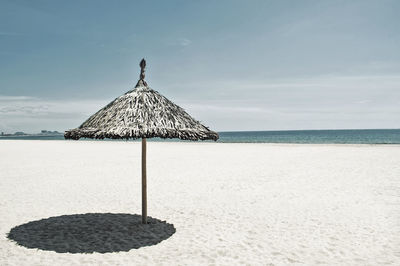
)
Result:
{"points": [[42, 133]]}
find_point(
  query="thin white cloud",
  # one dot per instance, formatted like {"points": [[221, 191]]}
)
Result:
{"points": [[327, 81], [180, 42], [314, 103], [24, 113], [184, 42], [16, 98]]}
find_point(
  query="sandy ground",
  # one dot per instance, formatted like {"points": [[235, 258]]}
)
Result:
{"points": [[231, 204]]}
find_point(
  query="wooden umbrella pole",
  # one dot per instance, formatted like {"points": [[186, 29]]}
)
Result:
{"points": [[144, 185]]}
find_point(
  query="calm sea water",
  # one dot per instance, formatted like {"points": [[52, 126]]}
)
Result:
{"points": [[362, 136]]}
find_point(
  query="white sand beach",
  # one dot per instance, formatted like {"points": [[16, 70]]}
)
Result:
{"points": [[231, 204]]}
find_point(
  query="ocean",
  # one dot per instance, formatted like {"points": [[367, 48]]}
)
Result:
{"points": [[357, 136]]}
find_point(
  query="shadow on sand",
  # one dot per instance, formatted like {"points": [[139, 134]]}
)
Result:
{"points": [[91, 232]]}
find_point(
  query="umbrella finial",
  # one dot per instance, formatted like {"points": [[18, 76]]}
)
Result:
{"points": [[142, 70], [142, 67]]}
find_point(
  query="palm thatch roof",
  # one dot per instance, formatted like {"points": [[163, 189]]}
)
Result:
{"points": [[141, 113]]}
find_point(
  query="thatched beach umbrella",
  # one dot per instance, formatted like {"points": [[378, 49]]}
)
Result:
{"points": [[142, 113]]}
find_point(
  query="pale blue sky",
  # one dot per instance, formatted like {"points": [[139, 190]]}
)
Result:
{"points": [[234, 65]]}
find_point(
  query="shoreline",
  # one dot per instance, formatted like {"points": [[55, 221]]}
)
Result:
{"points": [[207, 142], [360, 136]]}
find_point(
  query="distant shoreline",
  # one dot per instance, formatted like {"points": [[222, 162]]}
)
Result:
{"points": [[342, 136]]}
